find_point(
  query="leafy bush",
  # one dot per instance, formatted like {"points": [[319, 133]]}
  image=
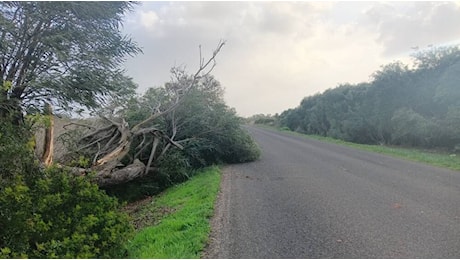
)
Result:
{"points": [[173, 168], [15, 147], [60, 215], [216, 129], [50, 213], [238, 147]]}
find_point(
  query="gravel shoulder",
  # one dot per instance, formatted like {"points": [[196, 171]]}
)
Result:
{"points": [[218, 238]]}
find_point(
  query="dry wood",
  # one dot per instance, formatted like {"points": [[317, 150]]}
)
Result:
{"points": [[48, 145], [112, 176]]}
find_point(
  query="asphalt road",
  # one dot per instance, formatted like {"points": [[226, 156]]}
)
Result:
{"points": [[310, 199]]}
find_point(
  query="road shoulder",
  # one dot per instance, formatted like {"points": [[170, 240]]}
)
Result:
{"points": [[217, 246]]}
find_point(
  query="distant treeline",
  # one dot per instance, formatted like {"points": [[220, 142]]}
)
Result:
{"points": [[418, 106]]}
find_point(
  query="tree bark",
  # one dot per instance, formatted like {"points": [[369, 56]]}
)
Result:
{"points": [[48, 145], [112, 176]]}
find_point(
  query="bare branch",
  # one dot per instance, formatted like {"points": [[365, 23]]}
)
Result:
{"points": [[123, 147], [156, 141], [144, 137], [97, 154], [187, 89], [78, 124], [146, 131], [141, 150], [97, 131], [112, 140], [98, 140]]}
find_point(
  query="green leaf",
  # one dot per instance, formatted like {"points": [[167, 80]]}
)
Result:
{"points": [[7, 85]]}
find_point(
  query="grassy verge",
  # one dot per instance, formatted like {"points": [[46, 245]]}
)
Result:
{"points": [[180, 219], [432, 157]]}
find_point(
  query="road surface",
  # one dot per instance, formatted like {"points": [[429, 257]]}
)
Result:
{"points": [[309, 199]]}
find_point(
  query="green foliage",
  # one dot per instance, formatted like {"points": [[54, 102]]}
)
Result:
{"points": [[412, 107], [182, 231], [206, 127], [209, 131], [65, 52], [51, 213], [173, 168], [7, 85], [214, 128], [37, 120], [411, 129], [16, 155], [262, 119], [82, 162], [60, 216]]}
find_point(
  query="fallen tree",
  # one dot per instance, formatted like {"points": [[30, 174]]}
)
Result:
{"points": [[109, 143]]}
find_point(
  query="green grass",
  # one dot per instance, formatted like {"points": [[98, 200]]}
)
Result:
{"points": [[431, 157], [183, 229]]}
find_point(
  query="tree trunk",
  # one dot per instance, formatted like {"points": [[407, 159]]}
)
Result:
{"points": [[48, 145], [112, 176]]}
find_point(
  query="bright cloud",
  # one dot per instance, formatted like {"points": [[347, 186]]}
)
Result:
{"points": [[149, 19]]}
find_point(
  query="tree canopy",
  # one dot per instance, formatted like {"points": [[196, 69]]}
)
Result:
{"points": [[64, 53]]}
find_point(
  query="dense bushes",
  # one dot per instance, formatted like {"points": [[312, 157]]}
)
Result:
{"points": [[52, 213], [14, 155], [401, 106]]}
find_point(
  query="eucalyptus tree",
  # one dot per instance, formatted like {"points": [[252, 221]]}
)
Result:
{"points": [[64, 53]]}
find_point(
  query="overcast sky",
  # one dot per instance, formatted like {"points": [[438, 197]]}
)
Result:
{"points": [[277, 53]]}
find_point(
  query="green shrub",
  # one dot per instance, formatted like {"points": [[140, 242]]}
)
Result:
{"points": [[238, 147], [60, 215], [16, 147], [50, 213], [173, 168]]}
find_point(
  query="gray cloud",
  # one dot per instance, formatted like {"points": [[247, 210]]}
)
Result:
{"points": [[279, 52], [404, 25]]}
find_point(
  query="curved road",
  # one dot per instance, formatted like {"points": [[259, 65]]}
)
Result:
{"points": [[309, 199]]}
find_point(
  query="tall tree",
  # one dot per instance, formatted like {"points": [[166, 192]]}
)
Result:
{"points": [[64, 53]]}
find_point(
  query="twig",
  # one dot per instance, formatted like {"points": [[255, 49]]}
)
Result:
{"points": [[78, 124], [156, 141], [97, 154]]}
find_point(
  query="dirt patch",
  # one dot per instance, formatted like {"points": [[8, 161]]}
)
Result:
{"points": [[144, 214], [136, 206]]}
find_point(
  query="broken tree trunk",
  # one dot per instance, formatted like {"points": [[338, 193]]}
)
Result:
{"points": [[48, 145], [109, 176], [123, 144]]}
